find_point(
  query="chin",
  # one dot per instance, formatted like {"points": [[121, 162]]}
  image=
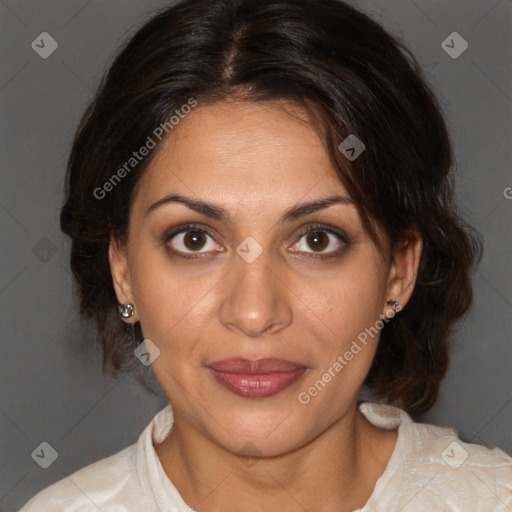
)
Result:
{"points": [[261, 433]]}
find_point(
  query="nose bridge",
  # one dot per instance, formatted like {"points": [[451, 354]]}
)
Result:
{"points": [[255, 302]]}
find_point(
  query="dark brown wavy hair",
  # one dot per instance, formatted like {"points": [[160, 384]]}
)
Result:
{"points": [[352, 77]]}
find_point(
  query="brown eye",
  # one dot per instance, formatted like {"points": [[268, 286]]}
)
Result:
{"points": [[322, 242], [194, 240], [190, 241], [318, 240]]}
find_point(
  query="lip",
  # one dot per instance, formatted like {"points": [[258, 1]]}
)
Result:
{"points": [[256, 379]]}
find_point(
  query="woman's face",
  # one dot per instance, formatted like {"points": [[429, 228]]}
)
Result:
{"points": [[262, 282]]}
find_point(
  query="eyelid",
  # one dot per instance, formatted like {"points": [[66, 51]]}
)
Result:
{"points": [[183, 229], [329, 229]]}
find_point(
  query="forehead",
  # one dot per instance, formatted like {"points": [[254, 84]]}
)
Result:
{"points": [[242, 149]]}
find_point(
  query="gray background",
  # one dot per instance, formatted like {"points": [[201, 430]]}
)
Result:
{"points": [[51, 386]]}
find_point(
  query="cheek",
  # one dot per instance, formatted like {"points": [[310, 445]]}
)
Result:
{"points": [[164, 296], [348, 300], [344, 328], [344, 356]]}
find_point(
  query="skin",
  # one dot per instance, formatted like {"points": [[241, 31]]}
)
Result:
{"points": [[227, 452]]}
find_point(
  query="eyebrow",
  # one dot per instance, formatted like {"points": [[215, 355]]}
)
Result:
{"points": [[220, 214]]}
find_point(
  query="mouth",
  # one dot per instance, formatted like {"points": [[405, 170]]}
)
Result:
{"points": [[262, 378]]}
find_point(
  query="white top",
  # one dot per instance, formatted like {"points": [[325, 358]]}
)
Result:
{"points": [[430, 469]]}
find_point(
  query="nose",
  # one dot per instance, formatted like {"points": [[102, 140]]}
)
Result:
{"points": [[256, 300]]}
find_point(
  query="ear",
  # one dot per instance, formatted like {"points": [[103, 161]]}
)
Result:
{"points": [[119, 268], [403, 270]]}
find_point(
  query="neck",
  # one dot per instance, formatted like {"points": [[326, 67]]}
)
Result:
{"points": [[343, 463]]}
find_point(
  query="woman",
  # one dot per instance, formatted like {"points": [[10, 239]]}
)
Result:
{"points": [[260, 203]]}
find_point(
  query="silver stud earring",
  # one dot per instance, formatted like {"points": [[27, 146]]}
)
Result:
{"points": [[394, 303], [125, 311]]}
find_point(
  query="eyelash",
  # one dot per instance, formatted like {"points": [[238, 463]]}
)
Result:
{"points": [[342, 236]]}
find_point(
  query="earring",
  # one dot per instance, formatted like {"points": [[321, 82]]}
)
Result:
{"points": [[394, 303], [125, 311]]}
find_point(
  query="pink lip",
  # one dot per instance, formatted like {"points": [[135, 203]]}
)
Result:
{"points": [[256, 379]]}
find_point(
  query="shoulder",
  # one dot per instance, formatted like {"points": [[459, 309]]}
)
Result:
{"points": [[443, 450], [130, 479], [108, 483], [433, 469]]}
